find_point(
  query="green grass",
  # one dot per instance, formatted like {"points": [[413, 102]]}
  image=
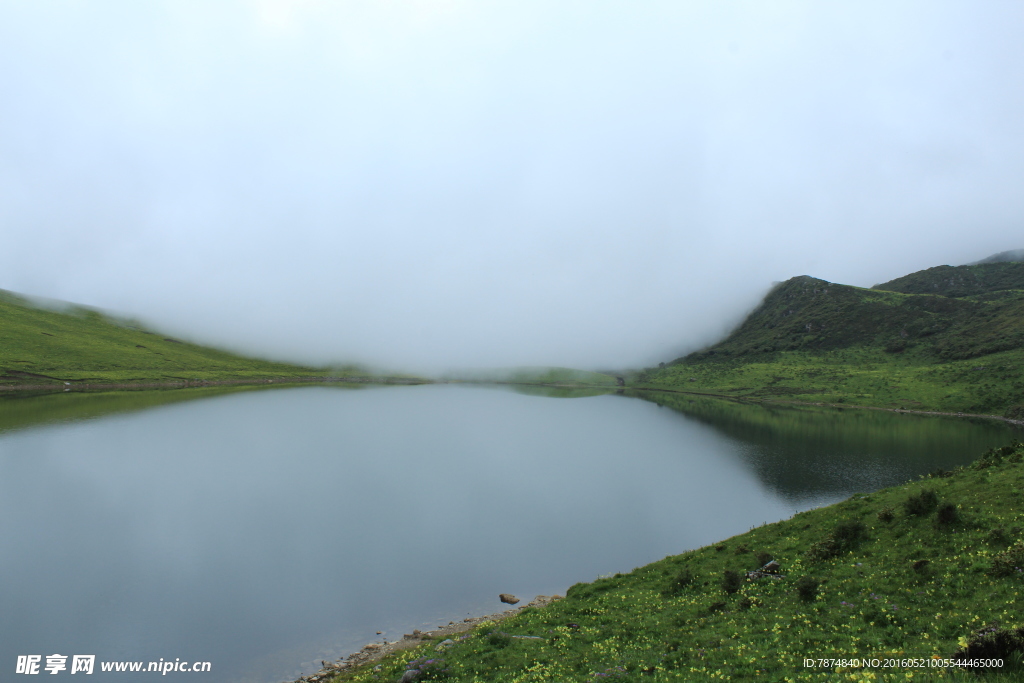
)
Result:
{"points": [[81, 345], [859, 376], [960, 280], [910, 571]]}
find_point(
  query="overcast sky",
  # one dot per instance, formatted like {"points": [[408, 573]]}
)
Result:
{"points": [[428, 184]]}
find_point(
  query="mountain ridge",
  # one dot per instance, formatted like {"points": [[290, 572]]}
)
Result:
{"points": [[814, 340], [984, 277]]}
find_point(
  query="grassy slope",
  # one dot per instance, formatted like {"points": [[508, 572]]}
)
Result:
{"points": [[812, 340], [39, 346], [960, 280], [893, 579]]}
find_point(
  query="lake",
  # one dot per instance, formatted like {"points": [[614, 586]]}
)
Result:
{"points": [[265, 530]]}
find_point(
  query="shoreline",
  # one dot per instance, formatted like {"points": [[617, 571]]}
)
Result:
{"points": [[821, 404], [191, 383], [374, 651], [412, 381]]}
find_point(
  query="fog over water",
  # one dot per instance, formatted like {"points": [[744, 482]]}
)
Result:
{"points": [[431, 184]]}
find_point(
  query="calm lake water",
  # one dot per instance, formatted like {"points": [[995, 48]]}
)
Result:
{"points": [[266, 530]]}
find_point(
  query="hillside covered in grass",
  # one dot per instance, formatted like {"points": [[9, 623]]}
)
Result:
{"points": [[40, 346], [947, 338], [930, 569], [959, 281]]}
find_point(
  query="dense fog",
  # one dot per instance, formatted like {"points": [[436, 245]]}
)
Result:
{"points": [[432, 184]]}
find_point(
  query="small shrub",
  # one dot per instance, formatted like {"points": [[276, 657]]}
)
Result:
{"points": [[920, 566], [807, 588], [1009, 561], [921, 503], [741, 549], [947, 514], [824, 549], [764, 558], [684, 579], [998, 536], [849, 532], [843, 537], [731, 581], [995, 456], [887, 514], [992, 643], [499, 640]]}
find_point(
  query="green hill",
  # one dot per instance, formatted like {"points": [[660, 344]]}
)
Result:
{"points": [[805, 313], [946, 338], [79, 345], [956, 281]]}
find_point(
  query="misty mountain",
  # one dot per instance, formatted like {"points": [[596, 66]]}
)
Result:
{"points": [[1012, 255], [958, 281], [951, 312], [949, 339]]}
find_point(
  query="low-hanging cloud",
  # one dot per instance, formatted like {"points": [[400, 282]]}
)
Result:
{"points": [[434, 184]]}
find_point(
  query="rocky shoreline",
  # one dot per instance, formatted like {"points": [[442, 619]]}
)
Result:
{"points": [[372, 652]]}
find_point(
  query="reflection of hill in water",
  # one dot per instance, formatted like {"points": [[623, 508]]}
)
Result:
{"points": [[558, 392], [806, 452], [19, 410]]}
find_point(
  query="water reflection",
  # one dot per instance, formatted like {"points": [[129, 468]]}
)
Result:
{"points": [[558, 392], [20, 410], [808, 452]]}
